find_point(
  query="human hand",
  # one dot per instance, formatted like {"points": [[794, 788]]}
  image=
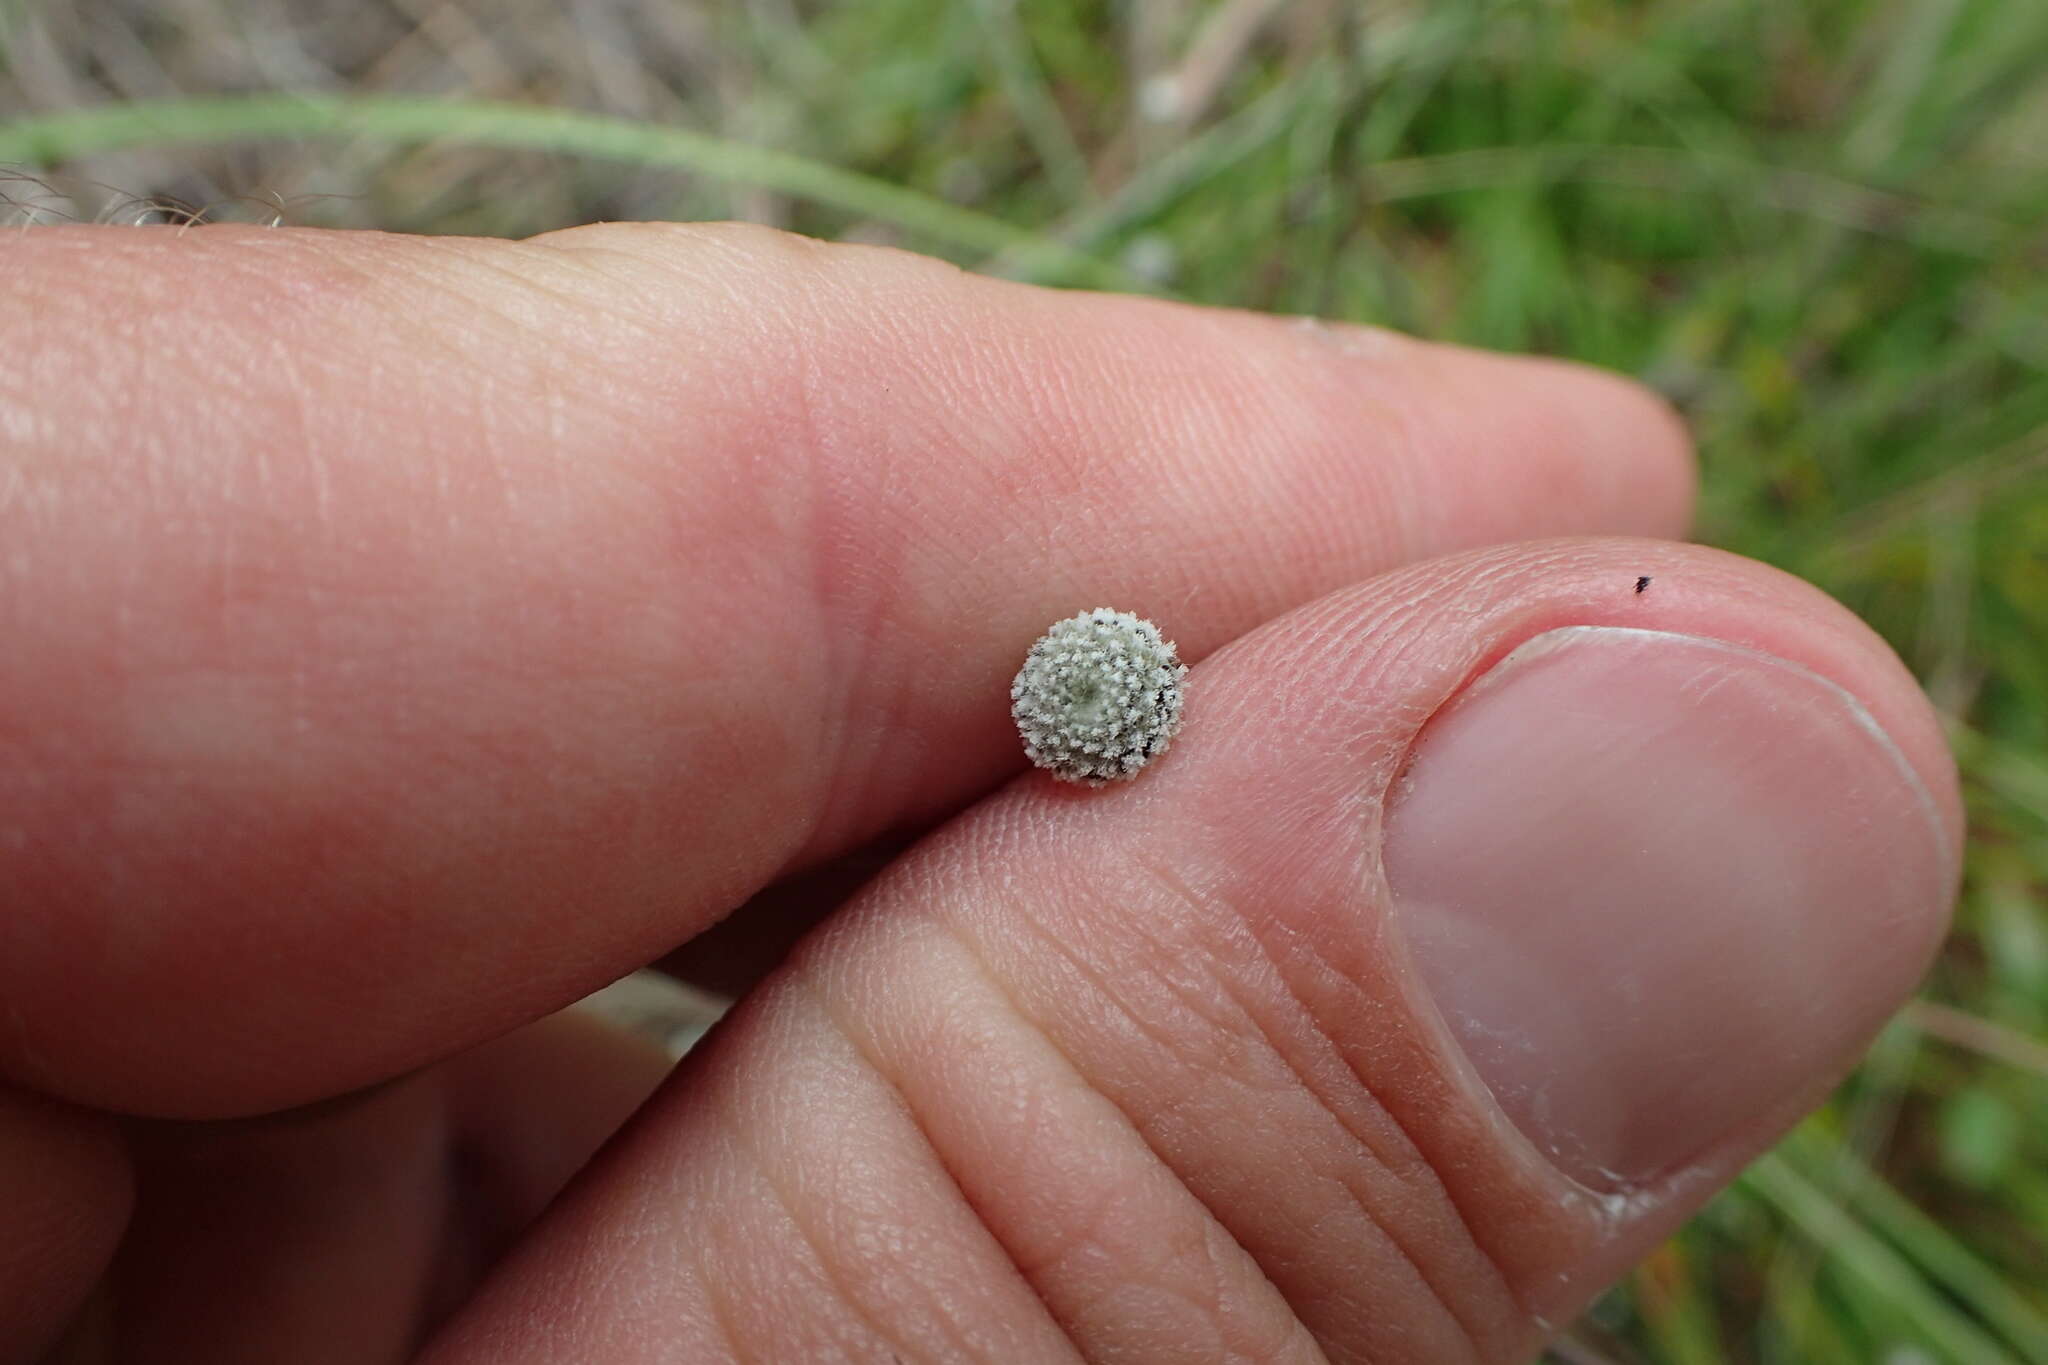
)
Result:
{"points": [[404, 637]]}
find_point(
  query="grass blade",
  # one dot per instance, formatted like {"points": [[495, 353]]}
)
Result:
{"points": [[1861, 1253], [43, 141]]}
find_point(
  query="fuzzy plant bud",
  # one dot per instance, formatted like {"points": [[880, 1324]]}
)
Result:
{"points": [[1098, 697]]}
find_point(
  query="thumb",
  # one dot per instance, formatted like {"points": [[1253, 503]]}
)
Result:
{"points": [[1485, 919]]}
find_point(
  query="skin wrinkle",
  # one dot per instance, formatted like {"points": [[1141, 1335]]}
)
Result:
{"points": [[829, 1266], [1408, 1168], [1085, 1237], [1397, 621], [859, 581], [1145, 1028], [530, 284], [1500, 1284], [746, 254], [798, 410], [1416, 1173], [1000, 989], [344, 296], [1313, 507], [1105, 1296], [857, 586], [1268, 475], [893, 1083], [719, 1319], [1059, 948], [949, 1171], [732, 1311], [722, 1320], [681, 1261], [817, 993], [440, 310], [1389, 459]]}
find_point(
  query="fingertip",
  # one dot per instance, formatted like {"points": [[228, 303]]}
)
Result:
{"points": [[1628, 445]]}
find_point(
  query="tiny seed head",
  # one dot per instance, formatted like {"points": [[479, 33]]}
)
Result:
{"points": [[1099, 697]]}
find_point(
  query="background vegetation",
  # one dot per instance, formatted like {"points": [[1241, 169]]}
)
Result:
{"points": [[1820, 225]]}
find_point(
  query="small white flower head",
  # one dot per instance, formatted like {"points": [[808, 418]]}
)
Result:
{"points": [[1098, 697]]}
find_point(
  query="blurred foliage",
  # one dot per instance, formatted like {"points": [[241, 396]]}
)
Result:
{"points": [[1820, 226]]}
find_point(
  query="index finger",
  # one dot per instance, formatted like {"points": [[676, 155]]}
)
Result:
{"points": [[407, 635]]}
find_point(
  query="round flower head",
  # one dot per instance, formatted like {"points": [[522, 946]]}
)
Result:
{"points": [[1098, 697]]}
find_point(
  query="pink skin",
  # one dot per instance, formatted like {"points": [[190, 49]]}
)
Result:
{"points": [[408, 636], [1154, 1062], [380, 606]]}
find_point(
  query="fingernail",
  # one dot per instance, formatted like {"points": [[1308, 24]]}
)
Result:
{"points": [[1659, 888]]}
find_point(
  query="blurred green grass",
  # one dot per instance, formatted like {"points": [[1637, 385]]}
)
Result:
{"points": [[1820, 226]]}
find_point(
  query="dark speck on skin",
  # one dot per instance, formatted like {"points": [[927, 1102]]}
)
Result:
{"points": [[1642, 582]]}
